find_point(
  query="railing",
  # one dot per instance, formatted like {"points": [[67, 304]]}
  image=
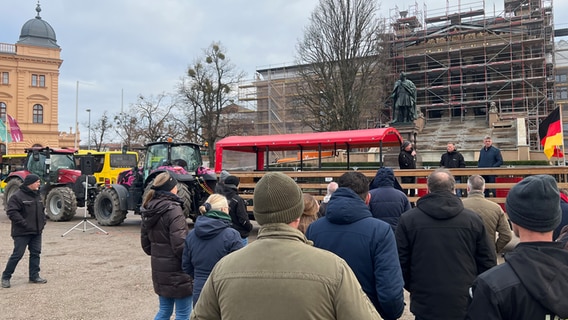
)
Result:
{"points": [[315, 182], [7, 48]]}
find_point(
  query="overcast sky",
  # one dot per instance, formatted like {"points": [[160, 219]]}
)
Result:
{"points": [[145, 46]]}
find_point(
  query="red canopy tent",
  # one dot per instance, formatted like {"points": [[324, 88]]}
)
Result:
{"points": [[262, 145]]}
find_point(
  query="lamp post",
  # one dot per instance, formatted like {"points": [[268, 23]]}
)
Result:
{"points": [[89, 135], [76, 112]]}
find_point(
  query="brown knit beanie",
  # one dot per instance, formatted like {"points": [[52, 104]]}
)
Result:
{"points": [[277, 199]]}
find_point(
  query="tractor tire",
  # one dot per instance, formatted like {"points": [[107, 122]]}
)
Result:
{"points": [[107, 208], [60, 204], [11, 187], [185, 196]]}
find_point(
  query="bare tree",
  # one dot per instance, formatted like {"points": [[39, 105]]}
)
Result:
{"points": [[99, 131], [150, 119], [342, 65], [209, 87]]}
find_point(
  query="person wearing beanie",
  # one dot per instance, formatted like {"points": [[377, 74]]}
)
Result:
{"points": [[26, 212], [367, 244], [211, 239], [407, 160], [533, 281], [237, 207], [442, 248], [163, 234], [280, 276], [387, 203], [222, 176]]}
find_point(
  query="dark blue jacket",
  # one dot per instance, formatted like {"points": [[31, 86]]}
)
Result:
{"points": [[387, 203], [211, 239], [489, 158], [367, 244]]}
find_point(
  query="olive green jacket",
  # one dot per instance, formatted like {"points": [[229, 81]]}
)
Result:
{"points": [[493, 218], [280, 276]]}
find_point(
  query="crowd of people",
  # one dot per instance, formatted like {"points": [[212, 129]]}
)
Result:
{"points": [[350, 257]]}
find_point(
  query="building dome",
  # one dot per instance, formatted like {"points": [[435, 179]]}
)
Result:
{"points": [[37, 32]]}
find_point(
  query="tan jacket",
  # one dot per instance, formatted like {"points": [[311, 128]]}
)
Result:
{"points": [[280, 276], [493, 218]]}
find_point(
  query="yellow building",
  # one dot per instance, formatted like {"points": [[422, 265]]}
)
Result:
{"points": [[29, 86]]}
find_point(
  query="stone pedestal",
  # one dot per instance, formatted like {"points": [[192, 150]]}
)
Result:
{"points": [[408, 130]]}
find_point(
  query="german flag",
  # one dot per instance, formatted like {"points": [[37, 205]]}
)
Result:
{"points": [[550, 134]]}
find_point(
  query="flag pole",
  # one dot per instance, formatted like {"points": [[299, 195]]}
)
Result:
{"points": [[562, 133], [6, 136]]}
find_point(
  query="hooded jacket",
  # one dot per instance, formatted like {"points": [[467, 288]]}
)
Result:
{"points": [[531, 284], [26, 212], [163, 234], [387, 203], [211, 239], [367, 244], [280, 276], [237, 210], [442, 248]]}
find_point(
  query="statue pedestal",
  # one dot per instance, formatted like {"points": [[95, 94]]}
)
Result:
{"points": [[408, 130]]}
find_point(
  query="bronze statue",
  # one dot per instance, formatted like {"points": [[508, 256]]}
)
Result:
{"points": [[404, 100]]}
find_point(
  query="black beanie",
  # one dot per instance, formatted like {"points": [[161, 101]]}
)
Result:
{"points": [[30, 178], [534, 203], [277, 199], [232, 180]]}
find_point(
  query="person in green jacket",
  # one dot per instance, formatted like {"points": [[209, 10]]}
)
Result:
{"points": [[281, 276]]}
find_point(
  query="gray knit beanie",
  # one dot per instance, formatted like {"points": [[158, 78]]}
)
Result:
{"points": [[223, 175], [534, 203], [277, 199]]}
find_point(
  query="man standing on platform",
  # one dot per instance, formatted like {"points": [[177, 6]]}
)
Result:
{"points": [[489, 157], [453, 159]]}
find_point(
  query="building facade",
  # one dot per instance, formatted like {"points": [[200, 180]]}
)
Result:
{"points": [[29, 86]]}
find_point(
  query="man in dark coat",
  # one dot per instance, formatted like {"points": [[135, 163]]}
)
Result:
{"points": [[237, 207], [453, 159], [387, 203], [26, 212], [349, 230], [442, 248], [407, 160], [489, 157], [533, 281]]}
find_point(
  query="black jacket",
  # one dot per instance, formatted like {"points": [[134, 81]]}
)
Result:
{"points": [[26, 212], [237, 210], [452, 159], [442, 248], [163, 234], [406, 160], [531, 284]]}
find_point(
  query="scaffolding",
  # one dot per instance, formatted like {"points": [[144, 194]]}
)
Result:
{"points": [[463, 62]]}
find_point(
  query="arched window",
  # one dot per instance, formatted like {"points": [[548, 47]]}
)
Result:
{"points": [[3, 111], [38, 113]]}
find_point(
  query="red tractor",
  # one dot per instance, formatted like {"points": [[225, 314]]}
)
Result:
{"points": [[62, 184]]}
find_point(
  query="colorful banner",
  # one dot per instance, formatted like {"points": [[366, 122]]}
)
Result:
{"points": [[15, 131], [550, 134], [4, 132]]}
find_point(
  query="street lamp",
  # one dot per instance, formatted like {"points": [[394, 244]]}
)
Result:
{"points": [[89, 138]]}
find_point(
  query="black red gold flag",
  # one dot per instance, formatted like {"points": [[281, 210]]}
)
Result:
{"points": [[550, 133]]}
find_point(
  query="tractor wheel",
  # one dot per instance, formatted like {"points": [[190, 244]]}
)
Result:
{"points": [[61, 204], [11, 187], [107, 208], [185, 196], [183, 193]]}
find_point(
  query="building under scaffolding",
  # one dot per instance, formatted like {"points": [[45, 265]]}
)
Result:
{"points": [[463, 62]]}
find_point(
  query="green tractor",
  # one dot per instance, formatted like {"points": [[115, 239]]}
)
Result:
{"points": [[182, 160]]}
